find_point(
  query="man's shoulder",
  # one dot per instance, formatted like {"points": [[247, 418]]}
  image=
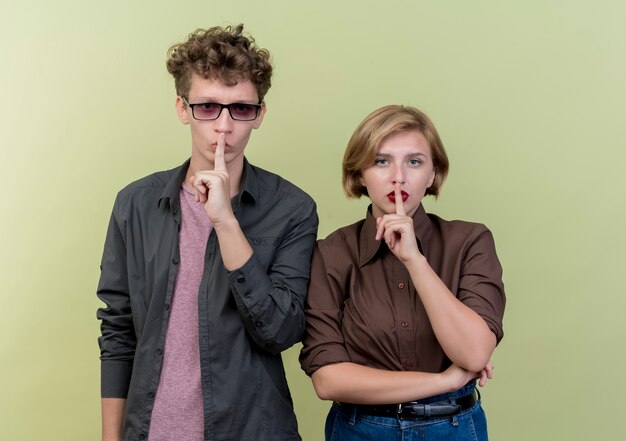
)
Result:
{"points": [[146, 190], [275, 186], [156, 181]]}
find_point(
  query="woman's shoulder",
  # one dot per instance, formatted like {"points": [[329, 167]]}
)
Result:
{"points": [[340, 250], [458, 229], [345, 236]]}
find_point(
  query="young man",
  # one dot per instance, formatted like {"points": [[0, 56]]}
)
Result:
{"points": [[205, 268]]}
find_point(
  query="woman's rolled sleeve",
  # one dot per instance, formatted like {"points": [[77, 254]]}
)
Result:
{"points": [[323, 341], [480, 283]]}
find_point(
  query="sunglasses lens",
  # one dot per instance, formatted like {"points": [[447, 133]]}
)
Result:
{"points": [[243, 112], [207, 110]]}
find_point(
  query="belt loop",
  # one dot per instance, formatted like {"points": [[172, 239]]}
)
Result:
{"points": [[427, 410], [353, 411]]}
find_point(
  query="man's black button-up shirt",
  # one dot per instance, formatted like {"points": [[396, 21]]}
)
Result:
{"points": [[246, 317]]}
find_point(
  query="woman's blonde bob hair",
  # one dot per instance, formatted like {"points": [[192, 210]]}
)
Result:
{"points": [[361, 149]]}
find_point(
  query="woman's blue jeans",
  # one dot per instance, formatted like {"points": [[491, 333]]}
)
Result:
{"points": [[347, 424]]}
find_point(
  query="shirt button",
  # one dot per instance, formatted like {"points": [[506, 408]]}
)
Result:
{"points": [[257, 241], [150, 395], [166, 306], [240, 278], [401, 285], [175, 260], [159, 351], [142, 436], [259, 323], [404, 324]]}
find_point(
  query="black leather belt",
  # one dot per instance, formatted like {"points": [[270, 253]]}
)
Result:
{"points": [[414, 409]]}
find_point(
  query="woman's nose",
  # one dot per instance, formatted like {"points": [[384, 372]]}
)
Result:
{"points": [[398, 174]]}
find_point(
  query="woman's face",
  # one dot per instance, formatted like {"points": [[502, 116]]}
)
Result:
{"points": [[402, 157]]}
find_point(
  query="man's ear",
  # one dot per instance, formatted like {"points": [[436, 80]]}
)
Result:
{"points": [[259, 119], [183, 112]]}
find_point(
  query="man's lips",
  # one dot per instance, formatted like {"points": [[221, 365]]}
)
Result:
{"points": [[392, 196]]}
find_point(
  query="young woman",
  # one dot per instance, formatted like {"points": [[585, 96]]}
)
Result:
{"points": [[404, 308]]}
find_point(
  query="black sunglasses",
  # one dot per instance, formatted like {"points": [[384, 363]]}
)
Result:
{"points": [[237, 111]]}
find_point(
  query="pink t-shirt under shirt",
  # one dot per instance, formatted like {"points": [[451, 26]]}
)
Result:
{"points": [[178, 411]]}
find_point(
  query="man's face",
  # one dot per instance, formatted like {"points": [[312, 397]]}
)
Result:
{"points": [[204, 134]]}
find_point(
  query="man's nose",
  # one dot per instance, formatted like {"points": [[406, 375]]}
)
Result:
{"points": [[224, 123]]}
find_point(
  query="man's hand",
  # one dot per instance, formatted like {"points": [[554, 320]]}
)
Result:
{"points": [[212, 187]]}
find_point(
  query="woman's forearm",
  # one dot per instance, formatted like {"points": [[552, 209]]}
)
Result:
{"points": [[462, 333], [357, 384]]}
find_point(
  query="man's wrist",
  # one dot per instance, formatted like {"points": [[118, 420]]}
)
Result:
{"points": [[227, 225]]}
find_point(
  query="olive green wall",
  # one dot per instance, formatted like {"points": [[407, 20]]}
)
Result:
{"points": [[530, 100]]}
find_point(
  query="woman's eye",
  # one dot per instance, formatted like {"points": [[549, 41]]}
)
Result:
{"points": [[381, 161], [415, 162]]}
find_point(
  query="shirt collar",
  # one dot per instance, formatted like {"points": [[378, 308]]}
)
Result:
{"points": [[171, 193], [249, 187], [369, 246]]}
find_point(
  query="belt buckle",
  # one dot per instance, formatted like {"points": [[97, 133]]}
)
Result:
{"points": [[413, 410]]}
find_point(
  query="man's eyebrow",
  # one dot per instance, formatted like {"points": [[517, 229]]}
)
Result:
{"points": [[205, 99]]}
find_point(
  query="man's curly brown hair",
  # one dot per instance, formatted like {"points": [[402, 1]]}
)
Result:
{"points": [[220, 53]]}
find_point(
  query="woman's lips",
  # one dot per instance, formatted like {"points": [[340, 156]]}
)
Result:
{"points": [[392, 196]]}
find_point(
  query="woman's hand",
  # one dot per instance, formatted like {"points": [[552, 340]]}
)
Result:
{"points": [[485, 374], [458, 377], [397, 230]]}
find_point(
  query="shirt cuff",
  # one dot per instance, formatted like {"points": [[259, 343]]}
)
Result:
{"points": [[115, 378], [251, 278], [312, 362]]}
